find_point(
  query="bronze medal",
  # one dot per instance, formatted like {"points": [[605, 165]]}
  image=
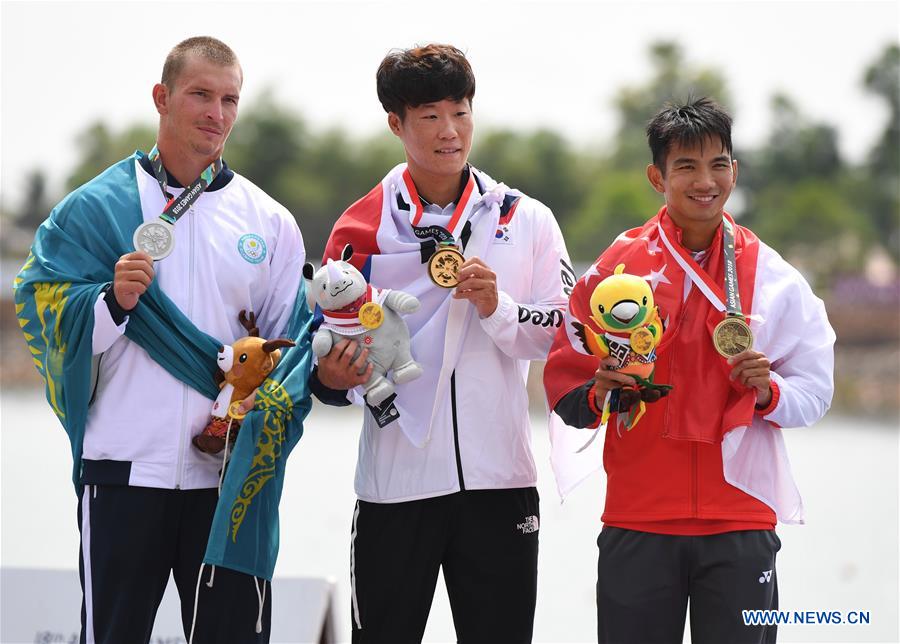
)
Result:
{"points": [[641, 341], [371, 315], [444, 265], [732, 336]]}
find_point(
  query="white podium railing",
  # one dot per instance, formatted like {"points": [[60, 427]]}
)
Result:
{"points": [[44, 606]]}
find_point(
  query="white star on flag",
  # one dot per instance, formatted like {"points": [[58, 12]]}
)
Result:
{"points": [[655, 277], [653, 246], [590, 272]]}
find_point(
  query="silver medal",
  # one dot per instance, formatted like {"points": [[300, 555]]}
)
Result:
{"points": [[156, 238]]}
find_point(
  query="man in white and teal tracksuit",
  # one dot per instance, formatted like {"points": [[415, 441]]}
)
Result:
{"points": [[128, 346]]}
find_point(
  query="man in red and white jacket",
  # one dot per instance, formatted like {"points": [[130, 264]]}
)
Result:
{"points": [[695, 489]]}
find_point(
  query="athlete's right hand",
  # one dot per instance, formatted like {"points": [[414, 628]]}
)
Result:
{"points": [[133, 275], [607, 379], [338, 370]]}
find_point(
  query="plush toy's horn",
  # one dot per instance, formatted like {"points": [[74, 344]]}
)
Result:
{"points": [[271, 345], [334, 272]]}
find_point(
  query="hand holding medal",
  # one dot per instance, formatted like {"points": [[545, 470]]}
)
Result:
{"points": [[131, 278], [478, 284], [752, 369]]}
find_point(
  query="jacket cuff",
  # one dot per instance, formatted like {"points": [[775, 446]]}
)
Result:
{"points": [[327, 395], [592, 401], [504, 315], [118, 314], [773, 403], [106, 330]]}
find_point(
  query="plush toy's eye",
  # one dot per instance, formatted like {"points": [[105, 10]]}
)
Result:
{"points": [[243, 358], [323, 287], [602, 310], [645, 300]]}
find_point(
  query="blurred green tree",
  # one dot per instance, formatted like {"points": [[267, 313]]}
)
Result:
{"points": [[35, 205], [882, 78], [673, 79], [617, 194], [100, 148]]}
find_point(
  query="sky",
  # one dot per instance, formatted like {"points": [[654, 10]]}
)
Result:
{"points": [[65, 65]]}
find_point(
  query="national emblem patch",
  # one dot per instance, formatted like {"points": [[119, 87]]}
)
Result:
{"points": [[252, 248]]}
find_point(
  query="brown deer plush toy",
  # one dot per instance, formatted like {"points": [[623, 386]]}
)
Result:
{"points": [[245, 365]]}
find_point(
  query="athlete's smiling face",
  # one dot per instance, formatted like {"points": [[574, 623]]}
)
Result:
{"points": [[436, 137], [697, 182], [199, 109]]}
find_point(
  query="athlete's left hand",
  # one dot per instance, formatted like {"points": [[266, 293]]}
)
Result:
{"points": [[478, 284], [247, 403], [751, 368]]}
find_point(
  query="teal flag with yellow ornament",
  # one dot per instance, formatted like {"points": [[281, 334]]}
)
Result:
{"points": [[244, 534]]}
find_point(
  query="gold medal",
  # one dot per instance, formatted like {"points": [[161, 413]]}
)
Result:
{"points": [[233, 410], [641, 340], [370, 315], [731, 336], [443, 267]]}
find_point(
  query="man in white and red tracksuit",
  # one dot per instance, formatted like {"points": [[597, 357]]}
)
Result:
{"points": [[445, 477], [695, 488]]}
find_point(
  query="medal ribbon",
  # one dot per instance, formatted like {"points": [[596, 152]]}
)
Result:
{"points": [[175, 208], [732, 294], [728, 299], [464, 209]]}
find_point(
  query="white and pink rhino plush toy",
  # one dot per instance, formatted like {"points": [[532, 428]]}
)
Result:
{"points": [[353, 309]]}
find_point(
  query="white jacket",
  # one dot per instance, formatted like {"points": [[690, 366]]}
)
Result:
{"points": [[236, 248], [481, 434]]}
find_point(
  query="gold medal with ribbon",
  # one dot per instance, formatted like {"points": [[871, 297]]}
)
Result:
{"points": [[732, 335], [444, 263]]}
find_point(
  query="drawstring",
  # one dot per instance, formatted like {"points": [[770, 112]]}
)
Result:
{"points": [[95, 491], [225, 456], [262, 600], [197, 597], [196, 604]]}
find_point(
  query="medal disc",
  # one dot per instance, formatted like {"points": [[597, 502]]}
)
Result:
{"points": [[155, 238], [233, 410], [443, 267], [731, 336], [370, 315], [641, 340]]}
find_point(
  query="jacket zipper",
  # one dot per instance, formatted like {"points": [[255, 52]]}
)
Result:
{"points": [[459, 471], [179, 474]]}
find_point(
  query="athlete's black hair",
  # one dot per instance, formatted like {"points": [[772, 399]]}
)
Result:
{"points": [[413, 77], [688, 125]]}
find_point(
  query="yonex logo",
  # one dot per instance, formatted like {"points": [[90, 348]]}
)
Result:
{"points": [[766, 577], [529, 525]]}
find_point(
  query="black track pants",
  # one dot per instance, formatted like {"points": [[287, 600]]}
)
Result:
{"points": [[644, 581], [485, 540], [131, 539]]}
